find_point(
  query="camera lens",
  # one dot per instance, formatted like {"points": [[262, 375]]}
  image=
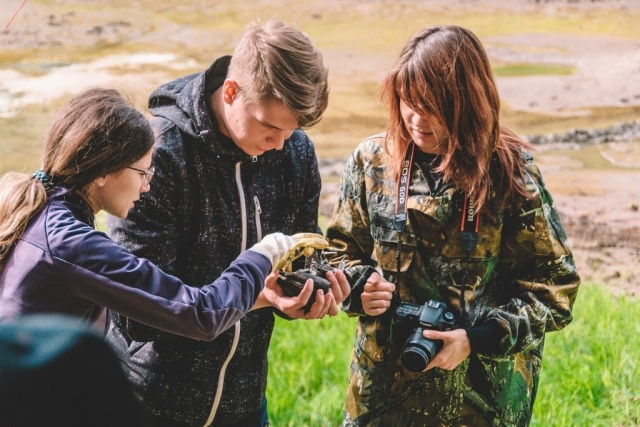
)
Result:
{"points": [[418, 351]]}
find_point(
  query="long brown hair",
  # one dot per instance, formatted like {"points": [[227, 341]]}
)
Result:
{"points": [[444, 72], [98, 132]]}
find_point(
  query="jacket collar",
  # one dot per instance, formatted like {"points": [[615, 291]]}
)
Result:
{"points": [[71, 200], [184, 102]]}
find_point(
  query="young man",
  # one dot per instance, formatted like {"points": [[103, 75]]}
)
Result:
{"points": [[231, 164]]}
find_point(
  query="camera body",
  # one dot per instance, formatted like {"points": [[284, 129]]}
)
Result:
{"points": [[408, 323], [293, 282]]}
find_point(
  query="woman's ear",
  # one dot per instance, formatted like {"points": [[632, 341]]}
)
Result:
{"points": [[100, 181]]}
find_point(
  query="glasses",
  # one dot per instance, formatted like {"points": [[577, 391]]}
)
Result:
{"points": [[147, 175]]}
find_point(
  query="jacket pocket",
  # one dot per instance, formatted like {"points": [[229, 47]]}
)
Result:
{"points": [[385, 250]]}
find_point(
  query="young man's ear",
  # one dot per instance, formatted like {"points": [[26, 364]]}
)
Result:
{"points": [[229, 90]]}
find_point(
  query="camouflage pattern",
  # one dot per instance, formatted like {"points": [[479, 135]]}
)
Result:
{"points": [[521, 274]]}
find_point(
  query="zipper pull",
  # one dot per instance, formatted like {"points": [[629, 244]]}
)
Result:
{"points": [[258, 210], [256, 203]]}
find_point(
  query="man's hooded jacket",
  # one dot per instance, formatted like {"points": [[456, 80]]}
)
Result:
{"points": [[208, 202]]}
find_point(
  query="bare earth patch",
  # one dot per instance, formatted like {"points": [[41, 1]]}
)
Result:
{"points": [[599, 207], [601, 217]]}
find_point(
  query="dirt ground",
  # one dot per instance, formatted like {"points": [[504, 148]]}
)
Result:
{"points": [[599, 207]]}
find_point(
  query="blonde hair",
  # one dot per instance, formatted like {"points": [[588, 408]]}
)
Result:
{"points": [[278, 61], [444, 72], [98, 132], [20, 198]]}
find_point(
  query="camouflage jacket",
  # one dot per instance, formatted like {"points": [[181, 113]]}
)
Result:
{"points": [[521, 282]]}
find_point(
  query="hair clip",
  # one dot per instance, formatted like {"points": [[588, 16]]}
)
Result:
{"points": [[42, 176]]}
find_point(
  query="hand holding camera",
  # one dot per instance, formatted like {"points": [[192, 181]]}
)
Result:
{"points": [[408, 324], [455, 349]]}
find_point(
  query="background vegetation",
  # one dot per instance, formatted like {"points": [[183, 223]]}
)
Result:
{"points": [[590, 374]]}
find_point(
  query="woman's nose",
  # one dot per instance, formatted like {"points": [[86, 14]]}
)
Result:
{"points": [[418, 120]]}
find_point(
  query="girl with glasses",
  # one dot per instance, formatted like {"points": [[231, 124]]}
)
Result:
{"points": [[97, 156]]}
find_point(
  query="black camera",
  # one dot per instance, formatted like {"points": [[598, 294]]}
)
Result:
{"points": [[293, 282], [406, 331]]}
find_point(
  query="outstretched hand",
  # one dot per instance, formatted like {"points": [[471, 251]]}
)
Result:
{"points": [[328, 303], [340, 287], [272, 295]]}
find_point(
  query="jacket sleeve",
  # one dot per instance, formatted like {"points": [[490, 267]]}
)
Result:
{"points": [[350, 229], [151, 229], [96, 269], [536, 274]]}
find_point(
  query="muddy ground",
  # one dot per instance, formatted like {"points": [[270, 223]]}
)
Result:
{"points": [[599, 205]]}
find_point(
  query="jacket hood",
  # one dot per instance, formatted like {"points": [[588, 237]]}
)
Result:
{"points": [[183, 100]]}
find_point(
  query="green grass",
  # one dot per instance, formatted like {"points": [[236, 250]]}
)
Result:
{"points": [[101, 221], [590, 375], [591, 371], [519, 70], [309, 371]]}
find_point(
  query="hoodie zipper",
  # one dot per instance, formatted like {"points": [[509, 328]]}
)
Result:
{"points": [[258, 211], [243, 207], [236, 336], [243, 246]]}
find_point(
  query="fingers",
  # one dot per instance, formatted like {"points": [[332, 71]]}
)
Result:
{"points": [[305, 293], [333, 309], [271, 280], [330, 307], [376, 283], [377, 295], [340, 287], [323, 305], [376, 305], [317, 307], [294, 306], [456, 348]]}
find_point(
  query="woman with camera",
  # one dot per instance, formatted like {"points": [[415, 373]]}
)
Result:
{"points": [[460, 263]]}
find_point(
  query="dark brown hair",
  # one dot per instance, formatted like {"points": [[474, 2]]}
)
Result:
{"points": [[444, 72]]}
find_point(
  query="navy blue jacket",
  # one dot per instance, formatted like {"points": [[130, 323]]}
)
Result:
{"points": [[62, 264], [207, 203]]}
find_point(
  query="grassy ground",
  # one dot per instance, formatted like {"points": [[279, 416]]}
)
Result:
{"points": [[590, 375]]}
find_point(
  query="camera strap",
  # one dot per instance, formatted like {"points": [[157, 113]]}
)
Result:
{"points": [[469, 225], [469, 237], [402, 194]]}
